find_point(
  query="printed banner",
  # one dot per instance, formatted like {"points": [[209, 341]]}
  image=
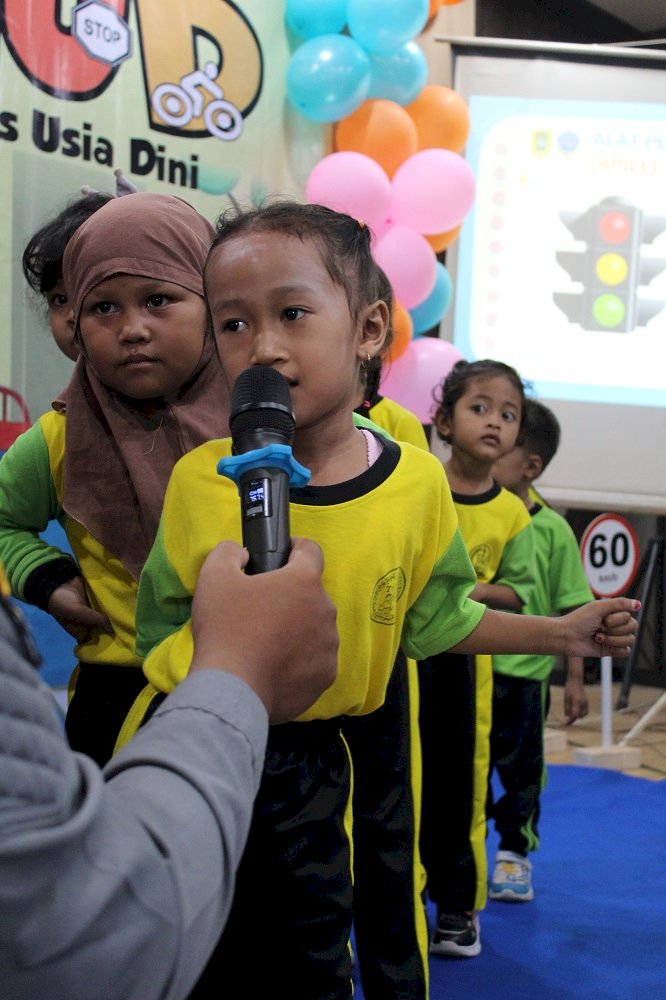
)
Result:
{"points": [[187, 97]]}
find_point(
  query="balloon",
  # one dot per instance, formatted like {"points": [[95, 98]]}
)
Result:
{"points": [[403, 328], [381, 130], [309, 19], [328, 77], [433, 8], [432, 191], [379, 229], [441, 241], [399, 75], [412, 378], [408, 261], [384, 25], [428, 314], [441, 117], [397, 374], [352, 183]]}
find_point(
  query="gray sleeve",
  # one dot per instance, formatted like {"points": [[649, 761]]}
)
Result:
{"points": [[120, 888]]}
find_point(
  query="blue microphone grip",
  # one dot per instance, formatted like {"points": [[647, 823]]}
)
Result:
{"points": [[263, 477]]}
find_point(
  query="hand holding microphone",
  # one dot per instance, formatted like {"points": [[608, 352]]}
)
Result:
{"points": [[262, 429]]}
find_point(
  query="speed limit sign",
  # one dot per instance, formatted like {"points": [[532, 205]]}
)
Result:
{"points": [[610, 555]]}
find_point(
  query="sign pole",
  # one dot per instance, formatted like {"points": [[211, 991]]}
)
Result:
{"points": [[606, 701], [609, 551]]}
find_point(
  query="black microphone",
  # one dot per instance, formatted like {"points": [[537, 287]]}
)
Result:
{"points": [[262, 429]]}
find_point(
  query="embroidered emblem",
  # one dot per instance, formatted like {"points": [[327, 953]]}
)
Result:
{"points": [[388, 591], [480, 556]]}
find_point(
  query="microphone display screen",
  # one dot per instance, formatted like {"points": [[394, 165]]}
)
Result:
{"points": [[257, 498]]}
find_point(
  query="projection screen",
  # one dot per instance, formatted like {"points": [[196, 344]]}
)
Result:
{"points": [[560, 266]]}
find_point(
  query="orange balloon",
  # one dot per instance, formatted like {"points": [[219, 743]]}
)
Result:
{"points": [[381, 130], [434, 7], [403, 330], [441, 241], [441, 117]]}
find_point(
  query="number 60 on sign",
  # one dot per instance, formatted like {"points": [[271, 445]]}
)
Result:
{"points": [[609, 550]]}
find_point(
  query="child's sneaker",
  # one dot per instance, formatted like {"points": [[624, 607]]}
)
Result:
{"points": [[456, 935], [512, 878]]}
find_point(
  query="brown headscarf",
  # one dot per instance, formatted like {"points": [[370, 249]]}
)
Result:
{"points": [[119, 452]]}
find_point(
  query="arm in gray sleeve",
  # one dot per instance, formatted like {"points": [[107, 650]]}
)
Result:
{"points": [[119, 888]]}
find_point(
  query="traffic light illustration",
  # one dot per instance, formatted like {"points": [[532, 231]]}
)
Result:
{"points": [[611, 268]]}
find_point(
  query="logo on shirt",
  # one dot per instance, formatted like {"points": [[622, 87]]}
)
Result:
{"points": [[388, 591], [480, 557]]}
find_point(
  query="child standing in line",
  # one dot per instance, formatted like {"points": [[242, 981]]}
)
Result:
{"points": [[42, 265], [479, 412], [294, 287], [146, 388], [520, 683], [390, 937]]}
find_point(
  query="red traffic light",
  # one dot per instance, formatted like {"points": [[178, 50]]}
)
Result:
{"points": [[614, 227]]}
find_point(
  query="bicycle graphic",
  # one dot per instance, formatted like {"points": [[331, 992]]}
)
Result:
{"points": [[177, 104]]}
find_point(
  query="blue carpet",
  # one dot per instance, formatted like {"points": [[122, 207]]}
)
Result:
{"points": [[596, 929]]}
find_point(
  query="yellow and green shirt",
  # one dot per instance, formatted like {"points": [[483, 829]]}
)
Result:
{"points": [[401, 423], [395, 566], [31, 491], [498, 533]]}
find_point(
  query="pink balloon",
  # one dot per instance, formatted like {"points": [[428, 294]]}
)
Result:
{"points": [[432, 191], [412, 378], [397, 375], [353, 183], [379, 229], [409, 262]]}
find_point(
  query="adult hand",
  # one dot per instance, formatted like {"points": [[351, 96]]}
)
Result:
{"points": [[69, 606], [277, 630]]}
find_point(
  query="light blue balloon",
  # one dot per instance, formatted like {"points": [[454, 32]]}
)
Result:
{"points": [[428, 313], [385, 25], [400, 75], [309, 18], [328, 77]]}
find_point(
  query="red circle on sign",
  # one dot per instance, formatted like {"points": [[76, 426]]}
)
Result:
{"points": [[609, 550]]}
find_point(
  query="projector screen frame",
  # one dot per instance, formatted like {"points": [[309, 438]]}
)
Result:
{"points": [[618, 463]]}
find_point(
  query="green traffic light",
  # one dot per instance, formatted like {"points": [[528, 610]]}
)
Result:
{"points": [[608, 310]]}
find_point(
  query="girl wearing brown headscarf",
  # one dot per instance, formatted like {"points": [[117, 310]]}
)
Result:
{"points": [[147, 388]]}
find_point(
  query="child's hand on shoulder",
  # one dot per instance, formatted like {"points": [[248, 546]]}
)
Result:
{"points": [[68, 604]]}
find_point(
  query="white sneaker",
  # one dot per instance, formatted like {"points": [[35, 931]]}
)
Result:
{"points": [[512, 878]]}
